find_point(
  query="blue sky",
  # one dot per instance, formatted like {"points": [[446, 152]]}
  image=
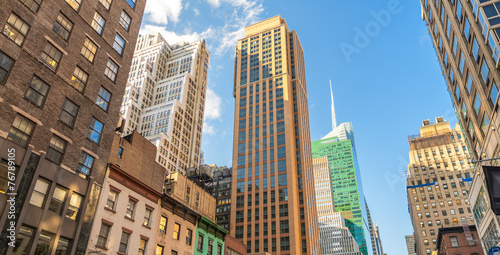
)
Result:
{"points": [[386, 83]]}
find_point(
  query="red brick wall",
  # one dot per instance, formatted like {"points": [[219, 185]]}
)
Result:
{"points": [[463, 246]]}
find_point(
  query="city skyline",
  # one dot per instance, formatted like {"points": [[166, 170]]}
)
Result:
{"points": [[213, 59], [353, 96]]}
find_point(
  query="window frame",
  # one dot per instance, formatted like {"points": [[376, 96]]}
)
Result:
{"points": [[58, 55], [60, 25], [122, 244], [67, 113], [92, 129], [6, 31], [79, 2], [129, 20], [42, 194], [85, 49], [108, 70], [79, 79], [74, 208], [117, 44], [82, 163], [130, 212], [101, 100], [36, 92], [96, 23], [57, 151], [7, 72], [176, 234]]}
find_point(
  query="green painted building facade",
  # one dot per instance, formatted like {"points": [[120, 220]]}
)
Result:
{"points": [[209, 238], [348, 197]]}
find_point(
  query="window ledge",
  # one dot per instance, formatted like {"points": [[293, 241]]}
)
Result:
{"points": [[128, 218], [111, 210], [148, 227], [102, 248]]}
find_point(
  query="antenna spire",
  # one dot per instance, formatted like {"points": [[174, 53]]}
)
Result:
{"points": [[334, 119]]}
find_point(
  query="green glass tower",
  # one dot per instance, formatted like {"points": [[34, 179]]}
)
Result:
{"points": [[339, 147]]}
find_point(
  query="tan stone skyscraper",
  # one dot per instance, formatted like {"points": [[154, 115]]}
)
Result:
{"points": [[438, 182], [273, 185]]}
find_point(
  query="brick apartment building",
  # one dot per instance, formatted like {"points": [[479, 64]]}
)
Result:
{"points": [[459, 240], [63, 69]]}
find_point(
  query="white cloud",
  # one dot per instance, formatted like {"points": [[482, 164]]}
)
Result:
{"points": [[173, 37], [163, 11], [241, 13], [213, 105], [245, 12], [214, 3], [208, 129]]}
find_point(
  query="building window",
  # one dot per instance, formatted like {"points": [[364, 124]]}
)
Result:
{"points": [[189, 236], [200, 242], [173, 252], [4, 176], [32, 4], [85, 164], [58, 199], [480, 207], [177, 230], [131, 3], [142, 246], [112, 198], [111, 70], [63, 26], [485, 71], [282, 180], [98, 23], [130, 208], [56, 149], [95, 130], [454, 241], [51, 56], [75, 4], [74, 206], [103, 98], [163, 224], [491, 236], [89, 49], [147, 217], [102, 240], [79, 79], [119, 44], [210, 246], [16, 29], [39, 192], [124, 242], [120, 152], [106, 3], [219, 249], [44, 243], [23, 239], [68, 113], [494, 94], [125, 20], [159, 250], [5, 67], [37, 91]]}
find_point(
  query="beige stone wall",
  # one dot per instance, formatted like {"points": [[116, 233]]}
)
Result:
{"points": [[122, 223]]}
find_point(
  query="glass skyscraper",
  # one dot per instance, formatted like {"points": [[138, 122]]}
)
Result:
{"points": [[340, 149]]}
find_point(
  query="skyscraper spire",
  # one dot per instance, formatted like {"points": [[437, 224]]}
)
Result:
{"points": [[334, 119]]}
